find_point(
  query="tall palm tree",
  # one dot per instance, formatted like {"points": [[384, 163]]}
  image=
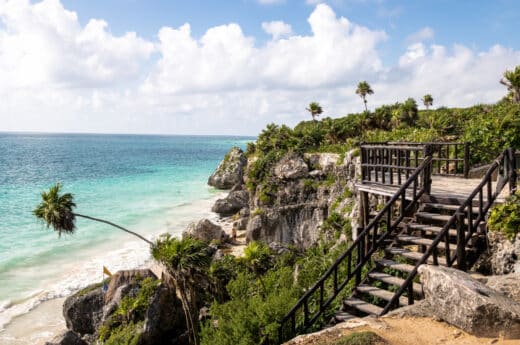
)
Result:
{"points": [[187, 261], [55, 210], [408, 112], [364, 89], [315, 110], [427, 100], [511, 79]]}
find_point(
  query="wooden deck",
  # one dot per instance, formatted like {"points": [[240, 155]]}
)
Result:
{"points": [[453, 188]]}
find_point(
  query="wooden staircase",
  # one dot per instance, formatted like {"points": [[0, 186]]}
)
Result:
{"points": [[413, 228]]}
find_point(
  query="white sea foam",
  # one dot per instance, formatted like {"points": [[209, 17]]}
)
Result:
{"points": [[128, 254]]}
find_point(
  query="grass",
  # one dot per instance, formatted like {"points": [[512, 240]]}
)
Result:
{"points": [[359, 338]]}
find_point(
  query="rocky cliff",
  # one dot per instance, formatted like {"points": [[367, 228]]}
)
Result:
{"points": [[295, 201]]}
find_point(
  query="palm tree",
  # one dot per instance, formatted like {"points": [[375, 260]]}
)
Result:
{"points": [[364, 89], [408, 112], [511, 79], [56, 210], [187, 261], [315, 109], [257, 257], [427, 100]]}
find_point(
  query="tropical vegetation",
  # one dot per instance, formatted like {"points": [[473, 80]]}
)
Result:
{"points": [[364, 89], [315, 110]]}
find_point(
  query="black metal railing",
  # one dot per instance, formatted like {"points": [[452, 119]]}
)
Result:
{"points": [[390, 163], [349, 266], [466, 220]]}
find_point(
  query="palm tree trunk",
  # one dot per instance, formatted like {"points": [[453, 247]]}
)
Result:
{"points": [[114, 225], [365, 101]]}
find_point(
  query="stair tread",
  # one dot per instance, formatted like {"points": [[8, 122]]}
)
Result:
{"points": [[431, 228], [423, 241], [442, 206], [363, 306], [433, 216], [414, 255], [380, 293], [393, 280], [396, 265], [341, 316]]}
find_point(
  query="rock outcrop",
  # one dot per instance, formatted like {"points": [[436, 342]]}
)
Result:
{"points": [[503, 256], [127, 277], [507, 284], [462, 301], [230, 171], [291, 167], [236, 200], [206, 231], [83, 311]]}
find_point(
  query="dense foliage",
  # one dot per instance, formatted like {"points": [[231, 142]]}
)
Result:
{"points": [[505, 218], [264, 287]]}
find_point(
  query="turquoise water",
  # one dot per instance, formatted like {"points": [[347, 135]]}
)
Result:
{"points": [[150, 184]]}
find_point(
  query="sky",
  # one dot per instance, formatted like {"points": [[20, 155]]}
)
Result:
{"points": [[231, 67]]}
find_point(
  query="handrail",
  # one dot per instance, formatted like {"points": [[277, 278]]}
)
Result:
{"points": [[449, 159], [506, 161], [367, 242]]}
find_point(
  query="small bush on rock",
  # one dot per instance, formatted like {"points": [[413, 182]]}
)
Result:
{"points": [[505, 218]]}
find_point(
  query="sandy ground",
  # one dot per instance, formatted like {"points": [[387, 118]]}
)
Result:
{"points": [[405, 331], [37, 326]]}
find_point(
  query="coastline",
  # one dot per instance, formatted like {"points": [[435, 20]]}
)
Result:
{"points": [[43, 318]]}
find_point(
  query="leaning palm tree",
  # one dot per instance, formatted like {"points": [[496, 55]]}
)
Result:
{"points": [[56, 210], [364, 89], [187, 261], [315, 109], [427, 101], [511, 79]]}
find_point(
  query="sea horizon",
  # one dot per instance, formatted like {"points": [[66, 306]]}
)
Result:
{"points": [[149, 183]]}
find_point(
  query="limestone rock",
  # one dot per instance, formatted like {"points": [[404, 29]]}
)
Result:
{"points": [[232, 203], [67, 338], [325, 162], [230, 171], [503, 256], [464, 302], [206, 231], [165, 322], [507, 284], [126, 277], [83, 311], [291, 167]]}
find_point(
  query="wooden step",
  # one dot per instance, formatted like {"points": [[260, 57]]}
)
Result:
{"points": [[380, 293], [433, 216], [393, 280], [342, 316], [415, 256], [438, 206], [365, 307], [409, 239], [406, 268], [430, 228]]}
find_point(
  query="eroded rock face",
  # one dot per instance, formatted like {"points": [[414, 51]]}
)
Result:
{"points": [[232, 203], [206, 231], [230, 171], [504, 255], [126, 277], [291, 167], [462, 301], [507, 284], [83, 311]]}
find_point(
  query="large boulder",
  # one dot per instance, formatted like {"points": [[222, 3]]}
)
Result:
{"points": [[83, 311], [230, 171], [232, 203], [503, 256], [291, 167], [124, 278], [463, 301], [66, 338], [206, 231], [165, 322], [507, 284]]}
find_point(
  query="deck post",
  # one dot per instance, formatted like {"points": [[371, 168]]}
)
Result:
{"points": [[513, 167], [466, 159], [461, 239]]}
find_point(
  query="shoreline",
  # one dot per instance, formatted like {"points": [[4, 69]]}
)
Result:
{"points": [[43, 319]]}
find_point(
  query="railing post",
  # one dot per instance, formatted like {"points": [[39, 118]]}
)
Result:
{"points": [[427, 172], [461, 245], [512, 168], [466, 159]]}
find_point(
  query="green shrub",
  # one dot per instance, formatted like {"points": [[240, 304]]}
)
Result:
{"points": [[360, 338], [505, 218]]}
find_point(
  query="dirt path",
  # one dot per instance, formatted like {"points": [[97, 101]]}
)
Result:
{"points": [[401, 331]]}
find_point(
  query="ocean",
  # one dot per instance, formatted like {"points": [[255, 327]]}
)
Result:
{"points": [[149, 184]]}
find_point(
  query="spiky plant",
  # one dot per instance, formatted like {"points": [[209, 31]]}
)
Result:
{"points": [[511, 80], [315, 109], [364, 89]]}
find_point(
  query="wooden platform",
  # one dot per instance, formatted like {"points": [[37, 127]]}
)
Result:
{"points": [[453, 188]]}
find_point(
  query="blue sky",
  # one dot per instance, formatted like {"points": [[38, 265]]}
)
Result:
{"points": [[231, 67]]}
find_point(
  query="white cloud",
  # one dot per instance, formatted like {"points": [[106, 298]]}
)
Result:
{"points": [[58, 75], [422, 35], [277, 29]]}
